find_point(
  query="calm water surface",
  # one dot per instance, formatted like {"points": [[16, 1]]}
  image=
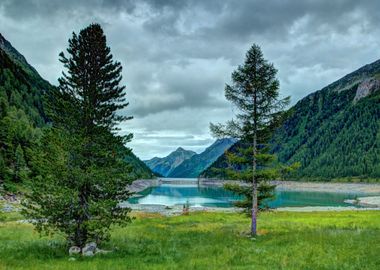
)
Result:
{"points": [[170, 194]]}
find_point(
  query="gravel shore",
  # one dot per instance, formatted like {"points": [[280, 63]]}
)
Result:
{"points": [[364, 188]]}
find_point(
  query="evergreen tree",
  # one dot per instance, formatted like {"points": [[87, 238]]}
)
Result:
{"points": [[2, 169], [81, 176], [17, 135], [254, 92], [19, 165]]}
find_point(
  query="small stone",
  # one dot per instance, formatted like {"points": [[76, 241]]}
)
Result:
{"points": [[88, 253], [102, 251], [7, 208], [74, 250], [72, 259], [89, 249]]}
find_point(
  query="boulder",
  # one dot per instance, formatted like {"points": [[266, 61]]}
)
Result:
{"points": [[89, 249], [74, 250]]}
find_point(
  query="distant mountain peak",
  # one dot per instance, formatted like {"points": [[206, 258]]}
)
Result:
{"points": [[164, 166], [193, 166]]}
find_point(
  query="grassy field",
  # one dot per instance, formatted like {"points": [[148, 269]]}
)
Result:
{"points": [[320, 240]]}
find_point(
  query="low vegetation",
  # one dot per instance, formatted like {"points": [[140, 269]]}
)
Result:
{"points": [[317, 240]]}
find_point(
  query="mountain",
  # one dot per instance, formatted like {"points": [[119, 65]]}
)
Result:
{"points": [[334, 132], [20, 84], [193, 166], [22, 115], [21, 112], [19, 59], [164, 166], [140, 169]]}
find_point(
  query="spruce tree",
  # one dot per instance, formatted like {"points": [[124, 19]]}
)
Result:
{"points": [[255, 94], [80, 175]]}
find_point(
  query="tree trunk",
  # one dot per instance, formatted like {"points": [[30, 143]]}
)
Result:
{"points": [[254, 190], [80, 236], [254, 165]]}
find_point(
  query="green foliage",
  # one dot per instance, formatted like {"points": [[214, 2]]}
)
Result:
{"points": [[332, 136], [21, 90], [80, 172], [17, 136], [140, 169], [254, 93], [64, 196], [286, 240], [21, 115], [239, 167]]}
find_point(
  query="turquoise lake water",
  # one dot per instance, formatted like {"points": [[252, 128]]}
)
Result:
{"points": [[170, 194]]}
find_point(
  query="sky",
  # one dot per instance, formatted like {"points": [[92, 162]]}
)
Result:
{"points": [[178, 55]]}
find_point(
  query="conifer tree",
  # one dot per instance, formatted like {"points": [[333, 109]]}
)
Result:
{"points": [[19, 164], [255, 94], [80, 175]]}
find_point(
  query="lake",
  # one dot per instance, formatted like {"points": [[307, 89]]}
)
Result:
{"points": [[175, 194]]}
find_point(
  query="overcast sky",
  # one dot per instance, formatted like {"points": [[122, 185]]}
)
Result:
{"points": [[178, 55]]}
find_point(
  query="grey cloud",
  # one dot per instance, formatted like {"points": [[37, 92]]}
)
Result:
{"points": [[177, 55]]}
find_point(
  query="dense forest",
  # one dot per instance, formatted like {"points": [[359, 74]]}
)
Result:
{"points": [[334, 133], [22, 118]]}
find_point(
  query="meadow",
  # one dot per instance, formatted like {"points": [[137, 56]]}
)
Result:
{"points": [[287, 240]]}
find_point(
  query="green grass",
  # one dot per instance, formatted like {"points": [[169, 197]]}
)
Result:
{"points": [[287, 240]]}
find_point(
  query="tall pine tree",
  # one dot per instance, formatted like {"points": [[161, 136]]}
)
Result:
{"points": [[255, 94], [81, 176]]}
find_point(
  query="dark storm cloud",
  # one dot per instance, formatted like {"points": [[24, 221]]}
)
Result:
{"points": [[178, 55]]}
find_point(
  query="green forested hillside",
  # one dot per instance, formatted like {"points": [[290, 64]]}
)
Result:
{"points": [[21, 90], [140, 169], [332, 136], [334, 133], [22, 117]]}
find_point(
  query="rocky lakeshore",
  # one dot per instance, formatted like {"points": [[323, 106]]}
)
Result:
{"points": [[364, 188], [177, 209], [360, 188], [141, 184], [370, 201]]}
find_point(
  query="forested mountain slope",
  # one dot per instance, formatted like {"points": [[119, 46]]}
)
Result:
{"points": [[21, 112], [22, 116], [334, 133]]}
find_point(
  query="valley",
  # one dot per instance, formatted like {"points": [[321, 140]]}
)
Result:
{"points": [[189, 134]]}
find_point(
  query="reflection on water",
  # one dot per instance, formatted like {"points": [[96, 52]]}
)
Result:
{"points": [[169, 194]]}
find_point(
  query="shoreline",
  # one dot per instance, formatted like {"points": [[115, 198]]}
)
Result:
{"points": [[367, 199], [178, 210], [358, 188]]}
